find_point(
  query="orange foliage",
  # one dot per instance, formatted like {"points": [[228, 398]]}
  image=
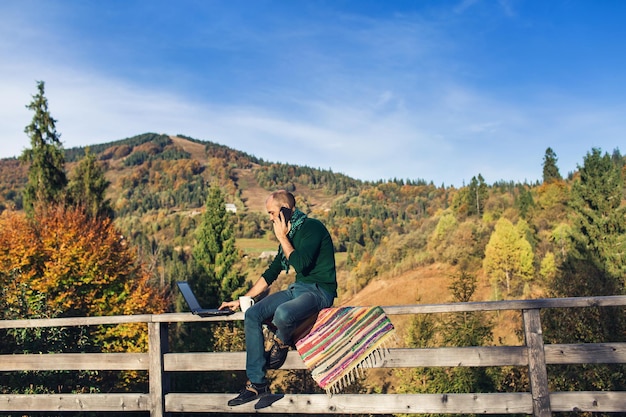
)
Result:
{"points": [[82, 264]]}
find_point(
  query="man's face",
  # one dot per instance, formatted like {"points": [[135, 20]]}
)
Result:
{"points": [[273, 208]]}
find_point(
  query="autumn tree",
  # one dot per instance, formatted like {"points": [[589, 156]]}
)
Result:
{"points": [[87, 187], [550, 169], [60, 262], [508, 257], [46, 173]]}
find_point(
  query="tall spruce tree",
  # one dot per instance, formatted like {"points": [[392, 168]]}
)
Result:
{"points": [[216, 277], [215, 253], [600, 215], [478, 193], [46, 174], [594, 266], [550, 169]]}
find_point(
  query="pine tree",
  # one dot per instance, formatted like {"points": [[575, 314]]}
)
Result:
{"points": [[87, 187], [216, 277], [594, 266], [600, 214], [477, 196], [46, 174], [215, 253], [550, 169]]}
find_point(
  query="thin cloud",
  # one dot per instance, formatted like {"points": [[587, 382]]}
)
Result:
{"points": [[408, 93]]}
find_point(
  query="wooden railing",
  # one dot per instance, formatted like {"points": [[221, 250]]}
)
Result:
{"points": [[159, 362]]}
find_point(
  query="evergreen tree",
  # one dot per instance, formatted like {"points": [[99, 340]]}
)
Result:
{"points": [[215, 253], [478, 193], [87, 187], [524, 201], [600, 214], [46, 174], [550, 169], [594, 266], [216, 277]]}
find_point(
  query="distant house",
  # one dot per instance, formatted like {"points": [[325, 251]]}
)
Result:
{"points": [[231, 207]]}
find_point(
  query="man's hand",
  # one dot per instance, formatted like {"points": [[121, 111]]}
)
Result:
{"points": [[281, 228], [233, 305]]}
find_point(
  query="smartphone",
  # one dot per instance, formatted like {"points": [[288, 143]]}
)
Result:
{"points": [[286, 214]]}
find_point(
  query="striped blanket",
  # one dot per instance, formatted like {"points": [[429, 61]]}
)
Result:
{"points": [[342, 341]]}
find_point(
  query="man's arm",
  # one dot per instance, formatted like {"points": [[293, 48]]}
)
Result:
{"points": [[257, 289]]}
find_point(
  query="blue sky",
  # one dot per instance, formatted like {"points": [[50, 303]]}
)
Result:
{"points": [[434, 90]]}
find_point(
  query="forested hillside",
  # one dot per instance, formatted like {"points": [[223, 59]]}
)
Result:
{"points": [[158, 185], [560, 237]]}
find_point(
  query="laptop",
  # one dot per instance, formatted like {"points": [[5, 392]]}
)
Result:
{"points": [[194, 305]]}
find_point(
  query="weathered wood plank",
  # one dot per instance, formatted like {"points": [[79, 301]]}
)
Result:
{"points": [[595, 401], [191, 318], [500, 403], [537, 371], [75, 402], [614, 300], [395, 358], [74, 362], [585, 353], [158, 380], [75, 321]]}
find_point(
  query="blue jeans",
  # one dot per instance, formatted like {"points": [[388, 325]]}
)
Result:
{"points": [[288, 308]]}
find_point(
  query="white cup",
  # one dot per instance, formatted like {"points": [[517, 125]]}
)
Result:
{"points": [[245, 303]]}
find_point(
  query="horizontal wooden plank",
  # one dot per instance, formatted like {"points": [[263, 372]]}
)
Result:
{"points": [[585, 353], [614, 300], [74, 362], [464, 356], [75, 402], [394, 358], [190, 317], [75, 321], [500, 403], [595, 401]]}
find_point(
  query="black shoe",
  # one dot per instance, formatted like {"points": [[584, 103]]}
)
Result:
{"points": [[277, 355], [251, 392]]}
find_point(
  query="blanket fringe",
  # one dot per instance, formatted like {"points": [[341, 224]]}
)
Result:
{"points": [[372, 359]]}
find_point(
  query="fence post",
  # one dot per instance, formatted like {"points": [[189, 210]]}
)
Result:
{"points": [[537, 372], [159, 383]]}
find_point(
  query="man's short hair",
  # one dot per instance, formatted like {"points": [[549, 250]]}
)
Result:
{"points": [[284, 198]]}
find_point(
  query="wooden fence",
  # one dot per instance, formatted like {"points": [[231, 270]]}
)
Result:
{"points": [[159, 362]]}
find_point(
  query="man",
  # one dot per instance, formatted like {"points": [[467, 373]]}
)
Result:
{"points": [[305, 245]]}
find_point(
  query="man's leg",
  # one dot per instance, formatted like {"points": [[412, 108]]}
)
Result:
{"points": [[257, 386], [308, 299], [255, 342]]}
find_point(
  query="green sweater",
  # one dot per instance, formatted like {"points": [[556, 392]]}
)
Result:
{"points": [[313, 257]]}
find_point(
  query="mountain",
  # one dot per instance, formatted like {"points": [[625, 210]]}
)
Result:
{"points": [[392, 231]]}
